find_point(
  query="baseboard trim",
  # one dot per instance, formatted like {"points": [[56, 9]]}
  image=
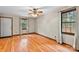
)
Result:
{"points": [[77, 50], [16, 35], [5, 36], [23, 34], [32, 33], [45, 36]]}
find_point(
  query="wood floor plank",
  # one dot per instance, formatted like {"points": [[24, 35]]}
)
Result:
{"points": [[32, 43]]}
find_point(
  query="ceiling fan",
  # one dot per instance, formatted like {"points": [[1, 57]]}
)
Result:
{"points": [[35, 12]]}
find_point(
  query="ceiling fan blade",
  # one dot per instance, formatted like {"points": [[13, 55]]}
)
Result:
{"points": [[40, 11], [30, 10]]}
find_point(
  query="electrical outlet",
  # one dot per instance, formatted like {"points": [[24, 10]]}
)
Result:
{"points": [[55, 37]]}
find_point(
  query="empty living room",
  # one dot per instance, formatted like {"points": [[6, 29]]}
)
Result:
{"points": [[39, 28]]}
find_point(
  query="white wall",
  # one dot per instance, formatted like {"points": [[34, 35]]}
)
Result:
{"points": [[16, 21], [77, 30], [48, 24], [31, 25]]}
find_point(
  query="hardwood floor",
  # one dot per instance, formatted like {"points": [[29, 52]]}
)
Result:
{"points": [[32, 43]]}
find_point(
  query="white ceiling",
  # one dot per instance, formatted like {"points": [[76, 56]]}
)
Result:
{"points": [[21, 10]]}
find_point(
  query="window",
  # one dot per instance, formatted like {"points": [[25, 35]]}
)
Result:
{"points": [[24, 24], [68, 19]]}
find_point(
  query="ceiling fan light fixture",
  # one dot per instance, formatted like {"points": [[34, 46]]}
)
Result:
{"points": [[34, 15], [35, 12]]}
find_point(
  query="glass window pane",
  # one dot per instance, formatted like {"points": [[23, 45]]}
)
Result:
{"points": [[73, 27], [24, 24], [64, 17], [68, 21], [67, 27], [68, 17], [74, 16]]}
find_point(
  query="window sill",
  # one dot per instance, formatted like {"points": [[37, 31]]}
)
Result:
{"points": [[68, 33]]}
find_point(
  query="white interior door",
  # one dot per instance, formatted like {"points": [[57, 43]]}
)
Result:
{"points": [[6, 27]]}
